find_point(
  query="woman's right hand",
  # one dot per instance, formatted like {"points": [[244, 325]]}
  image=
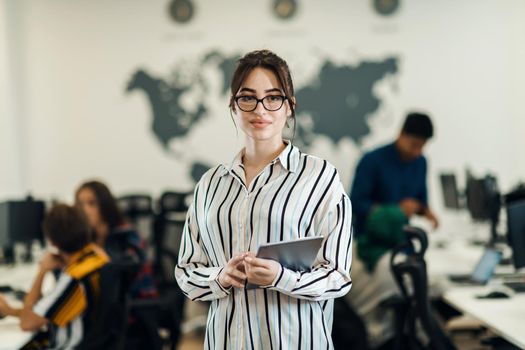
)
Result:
{"points": [[233, 273]]}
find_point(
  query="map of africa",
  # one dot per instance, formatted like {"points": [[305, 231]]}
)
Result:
{"points": [[336, 104]]}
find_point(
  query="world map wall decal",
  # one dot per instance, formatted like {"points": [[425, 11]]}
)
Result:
{"points": [[335, 104]]}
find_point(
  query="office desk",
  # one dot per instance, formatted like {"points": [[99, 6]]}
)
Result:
{"points": [[19, 277], [454, 254], [11, 336], [504, 317]]}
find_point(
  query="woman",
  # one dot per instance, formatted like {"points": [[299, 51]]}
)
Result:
{"points": [[112, 233], [271, 192]]}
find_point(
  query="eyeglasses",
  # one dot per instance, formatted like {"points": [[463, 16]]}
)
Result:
{"points": [[271, 103]]}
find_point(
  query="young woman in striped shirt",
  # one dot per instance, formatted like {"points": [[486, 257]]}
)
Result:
{"points": [[271, 192]]}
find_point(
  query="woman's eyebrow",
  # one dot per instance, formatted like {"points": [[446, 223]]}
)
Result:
{"points": [[273, 90], [245, 89]]}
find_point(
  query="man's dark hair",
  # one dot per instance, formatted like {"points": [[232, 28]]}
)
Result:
{"points": [[67, 228], [419, 125]]}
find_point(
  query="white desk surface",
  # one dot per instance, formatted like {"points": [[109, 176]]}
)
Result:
{"points": [[454, 254], [505, 317], [20, 277], [11, 336]]}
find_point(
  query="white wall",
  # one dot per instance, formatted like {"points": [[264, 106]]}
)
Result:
{"points": [[462, 61], [11, 179]]}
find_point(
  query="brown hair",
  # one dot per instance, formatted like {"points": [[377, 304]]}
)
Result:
{"points": [[268, 60], [67, 228], [107, 204]]}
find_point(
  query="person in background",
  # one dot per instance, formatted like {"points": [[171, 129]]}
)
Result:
{"points": [[114, 234], [67, 311], [389, 188]]}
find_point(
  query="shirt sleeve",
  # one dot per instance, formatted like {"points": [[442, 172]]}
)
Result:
{"points": [[330, 276], [64, 303], [423, 191], [194, 275], [363, 187]]}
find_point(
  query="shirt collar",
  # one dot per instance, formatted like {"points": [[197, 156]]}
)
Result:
{"points": [[288, 158], [90, 248]]}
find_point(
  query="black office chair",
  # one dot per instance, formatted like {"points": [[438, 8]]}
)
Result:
{"points": [[174, 202], [348, 330], [168, 228], [138, 210], [108, 325], [409, 270]]}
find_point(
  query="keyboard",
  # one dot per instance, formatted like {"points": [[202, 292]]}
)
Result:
{"points": [[464, 279], [518, 287], [18, 294]]}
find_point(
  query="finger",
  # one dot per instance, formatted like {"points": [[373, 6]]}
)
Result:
{"points": [[256, 261], [234, 281], [236, 273], [239, 264], [236, 259]]}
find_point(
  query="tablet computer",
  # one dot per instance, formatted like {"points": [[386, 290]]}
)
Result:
{"points": [[297, 255]]}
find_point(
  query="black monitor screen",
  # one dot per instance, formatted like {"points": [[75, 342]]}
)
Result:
{"points": [[21, 221], [482, 197], [450, 191], [516, 232]]}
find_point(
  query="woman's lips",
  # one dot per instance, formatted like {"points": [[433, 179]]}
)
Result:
{"points": [[259, 123]]}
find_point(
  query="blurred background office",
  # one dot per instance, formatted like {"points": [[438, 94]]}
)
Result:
{"points": [[130, 92]]}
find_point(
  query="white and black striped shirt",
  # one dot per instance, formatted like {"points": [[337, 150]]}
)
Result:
{"points": [[296, 195]]}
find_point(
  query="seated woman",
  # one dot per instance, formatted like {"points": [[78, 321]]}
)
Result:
{"points": [[114, 234]]}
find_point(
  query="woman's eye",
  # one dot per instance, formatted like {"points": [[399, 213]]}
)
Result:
{"points": [[274, 98], [246, 98]]}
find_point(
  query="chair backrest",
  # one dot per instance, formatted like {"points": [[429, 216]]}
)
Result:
{"points": [[112, 309], [171, 202], [138, 209], [168, 228], [168, 235], [410, 273], [136, 205]]}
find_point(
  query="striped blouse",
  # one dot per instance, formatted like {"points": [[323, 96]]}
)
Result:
{"points": [[296, 195]]}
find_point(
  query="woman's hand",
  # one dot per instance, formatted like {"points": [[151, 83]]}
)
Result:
{"points": [[233, 273], [261, 272]]}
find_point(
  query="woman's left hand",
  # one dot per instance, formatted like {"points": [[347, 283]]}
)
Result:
{"points": [[261, 272]]}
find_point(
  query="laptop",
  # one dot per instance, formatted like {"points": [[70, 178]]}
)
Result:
{"points": [[482, 272]]}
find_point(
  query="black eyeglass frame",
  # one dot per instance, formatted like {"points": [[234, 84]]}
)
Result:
{"points": [[261, 100]]}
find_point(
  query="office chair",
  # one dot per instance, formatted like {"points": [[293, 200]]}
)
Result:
{"points": [[348, 330], [164, 232], [168, 228], [110, 316], [409, 270], [138, 209], [174, 202]]}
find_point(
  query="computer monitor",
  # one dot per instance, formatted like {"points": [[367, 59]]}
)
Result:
{"points": [[484, 202], [21, 222], [478, 193], [516, 232], [450, 191]]}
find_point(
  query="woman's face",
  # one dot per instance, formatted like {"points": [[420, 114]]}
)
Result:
{"points": [[261, 124], [87, 202]]}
